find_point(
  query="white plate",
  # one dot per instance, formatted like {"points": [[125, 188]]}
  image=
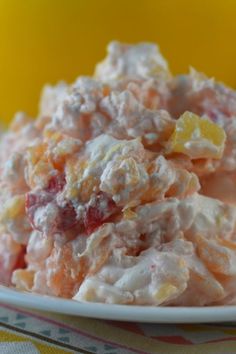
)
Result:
{"points": [[118, 312]]}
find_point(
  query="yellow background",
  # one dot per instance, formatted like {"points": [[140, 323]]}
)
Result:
{"points": [[47, 40]]}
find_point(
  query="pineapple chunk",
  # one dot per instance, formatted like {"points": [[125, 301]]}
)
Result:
{"points": [[129, 214], [197, 137], [12, 208], [165, 292], [23, 279]]}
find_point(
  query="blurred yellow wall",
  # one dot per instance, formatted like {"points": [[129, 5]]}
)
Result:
{"points": [[47, 40]]}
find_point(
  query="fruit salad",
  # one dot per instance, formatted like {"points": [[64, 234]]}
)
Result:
{"points": [[123, 189]]}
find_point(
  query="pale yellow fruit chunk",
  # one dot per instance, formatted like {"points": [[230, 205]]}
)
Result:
{"points": [[14, 207], [165, 292], [129, 214], [23, 279], [197, 137]]}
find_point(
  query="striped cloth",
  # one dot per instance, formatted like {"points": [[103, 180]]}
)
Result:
{"points": [[31, 332]]}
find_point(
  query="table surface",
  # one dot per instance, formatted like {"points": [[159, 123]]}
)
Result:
{"points": [[31, 332]]}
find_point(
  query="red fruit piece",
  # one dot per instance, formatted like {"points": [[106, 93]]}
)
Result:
{"points": [[20, 261], [35, 200], [98, 210], [66, 217], [56, 184]]}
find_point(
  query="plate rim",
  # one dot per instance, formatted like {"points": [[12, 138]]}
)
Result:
{"points": [[115, 312]]}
